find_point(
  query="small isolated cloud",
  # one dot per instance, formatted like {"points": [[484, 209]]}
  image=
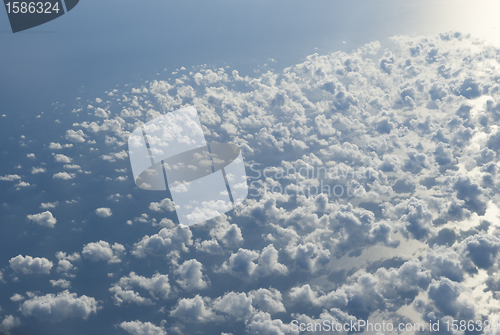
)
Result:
{"points": [[72, 166], [55, 308], [60, 158], [17, 297], [29, 265], [46, 205], [36, 170], [103, 212], [64, 175], [55, 146], [102, 251], [45, 219], [141, 328], [10, 177], [22, 184]]}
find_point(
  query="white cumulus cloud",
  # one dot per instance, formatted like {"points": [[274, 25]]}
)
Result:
{"points": [[103, 212], [29, 265], [60, 306], [45, 219]]}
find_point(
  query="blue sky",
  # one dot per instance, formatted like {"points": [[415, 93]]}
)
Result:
{"points": [[396, 100], [116, 42]]}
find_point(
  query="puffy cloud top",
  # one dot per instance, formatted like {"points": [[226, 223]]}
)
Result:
{"points": [[103, 212], [102, 251], [29, 265], [141, 328], [60, 306], [45, 219]]}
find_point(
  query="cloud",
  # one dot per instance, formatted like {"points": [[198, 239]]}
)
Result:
{"points": [[8, 323], [45, 219], [304, 294], [309, 256], [72, 166], [37, 170], [242, 306], [363, 293], [112, 157], [444, 262], [267, 300], [238, 305], [64, 175], [60, 306], [101, 113], [229, 234], [165, 241], [60, 158], [29, 265], [64, 264], [191, 275], [46, 205], [242, 263], [22, 184], [75, 136], [10, 177], [103, 212], [416, 217], [194, 309], [445, 294], [121, 295], [482, 250], [166, 205], [17, 297], [471, 193], [141, 328], [409, 114], [102, 251], [63, 283], [262, 323], [157, 286], [209, 246], [55, 146]]}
